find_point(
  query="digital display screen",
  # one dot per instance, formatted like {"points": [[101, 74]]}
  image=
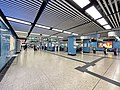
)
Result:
{"points": [[108, 44], [100, 44], [105, 44]]}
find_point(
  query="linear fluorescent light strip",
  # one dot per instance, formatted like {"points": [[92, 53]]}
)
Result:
{"points": [[92, 11], [60, 37], [102, 21], [67, 32], [6, 34], [19, 21], [3, 30], [45, 35], [57, 30], [35, 34], [107, 27], [75, 34], [53, 36], [3, 22], [40, 26], [82, 3], [20, 32]]}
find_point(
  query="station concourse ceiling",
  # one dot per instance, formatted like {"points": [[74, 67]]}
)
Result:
{"points": [[64, 15]]}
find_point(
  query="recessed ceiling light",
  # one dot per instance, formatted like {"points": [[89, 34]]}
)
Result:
{"points": [[93, 12], [107, 27], [82, 3], [102, 21]]}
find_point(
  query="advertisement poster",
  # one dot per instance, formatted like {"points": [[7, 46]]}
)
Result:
{"points": [[100, 44], [5, 45], [108, 44], [105, 44], [12, 43]]}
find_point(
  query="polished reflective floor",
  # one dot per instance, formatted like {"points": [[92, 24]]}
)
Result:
{"points": [[44, 70]]}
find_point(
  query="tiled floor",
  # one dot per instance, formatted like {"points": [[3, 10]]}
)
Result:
{"points": [[43, 70]]}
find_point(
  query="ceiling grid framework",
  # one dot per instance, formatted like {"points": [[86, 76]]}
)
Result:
{"points": [[19, 9], [111, 8], [58, 14]]}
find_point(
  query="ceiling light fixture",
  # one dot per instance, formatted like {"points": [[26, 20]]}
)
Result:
{"points": [[75, 34], [107, 27], [41, 26], [66, 32], [92, 11], [20, 32], [18, 21], [45, 35], [60, 37], [34, 34], [3, 30], [102, 21], [82, 3], [58, 30], [53, 36]]}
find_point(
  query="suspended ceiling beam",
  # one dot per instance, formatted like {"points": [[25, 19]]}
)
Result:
{"points": [[105, 12], [117, 9], [89, 5], [83, 12], [6, 21], [74, 27], [113, 11], [44, 4], [109, 12]]}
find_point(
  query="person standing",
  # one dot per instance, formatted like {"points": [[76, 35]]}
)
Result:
{"points": [[25, 47], [94, 50], [35, 48], [80, 50], [105, 50], [115, 52]]}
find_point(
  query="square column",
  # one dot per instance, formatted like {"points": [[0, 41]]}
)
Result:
{"points": [[86, 45], [71, 45]]}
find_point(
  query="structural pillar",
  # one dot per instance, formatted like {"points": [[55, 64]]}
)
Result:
{"points": [[86, 45], [71, 45]]}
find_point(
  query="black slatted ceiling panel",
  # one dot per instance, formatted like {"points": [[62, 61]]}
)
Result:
{"points": [[57, 14], [63, 35], [87, 28], [21, 9], [19, 27], [111, 11], [43, 31]]}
